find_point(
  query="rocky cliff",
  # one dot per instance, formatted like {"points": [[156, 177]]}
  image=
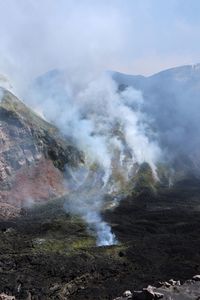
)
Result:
{"points": [[33, 157]]}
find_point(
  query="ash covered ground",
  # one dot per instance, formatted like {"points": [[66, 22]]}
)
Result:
{"points": [[47, 254]]}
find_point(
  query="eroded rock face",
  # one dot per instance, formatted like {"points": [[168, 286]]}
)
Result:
{"points": [[32, 157]]}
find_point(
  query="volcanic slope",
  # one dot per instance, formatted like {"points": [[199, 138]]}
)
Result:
{"points": [[48, 254], [33, 157]]}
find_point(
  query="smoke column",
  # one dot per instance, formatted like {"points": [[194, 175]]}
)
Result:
{"points": [[108, 125], [83, 38]]}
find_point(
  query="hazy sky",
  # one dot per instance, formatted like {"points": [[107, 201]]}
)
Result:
{"points": [[133, 36]]}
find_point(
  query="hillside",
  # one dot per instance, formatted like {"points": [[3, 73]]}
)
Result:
{"points": [[171, 102], [33, 157]]}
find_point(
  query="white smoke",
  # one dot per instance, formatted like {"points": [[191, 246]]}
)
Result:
{"points": [[90, 115], [4, 84], [105, 237], [106, 124], [171, 98], [85, 38], [86, 199], [1, 94]]}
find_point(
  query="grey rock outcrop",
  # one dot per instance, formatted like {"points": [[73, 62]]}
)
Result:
{"points": [[172, 290], [6, 297]]}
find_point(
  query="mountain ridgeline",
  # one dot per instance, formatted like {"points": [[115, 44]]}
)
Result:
{"points": [[170, 111], [171, 100]]}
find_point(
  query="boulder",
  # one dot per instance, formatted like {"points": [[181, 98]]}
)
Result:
{"points": [[196, 277], [145, 294], [6, 297]]}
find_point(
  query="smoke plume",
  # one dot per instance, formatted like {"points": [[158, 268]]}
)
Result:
{"points": [[117, 129], [171, 99], [84, 40], [109, 127]]}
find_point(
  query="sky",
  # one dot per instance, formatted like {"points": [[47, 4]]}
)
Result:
{"points": [[83, 36]]}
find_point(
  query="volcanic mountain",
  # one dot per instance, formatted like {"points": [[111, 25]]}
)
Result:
{"points": [[170, 109], [48, 253]]}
